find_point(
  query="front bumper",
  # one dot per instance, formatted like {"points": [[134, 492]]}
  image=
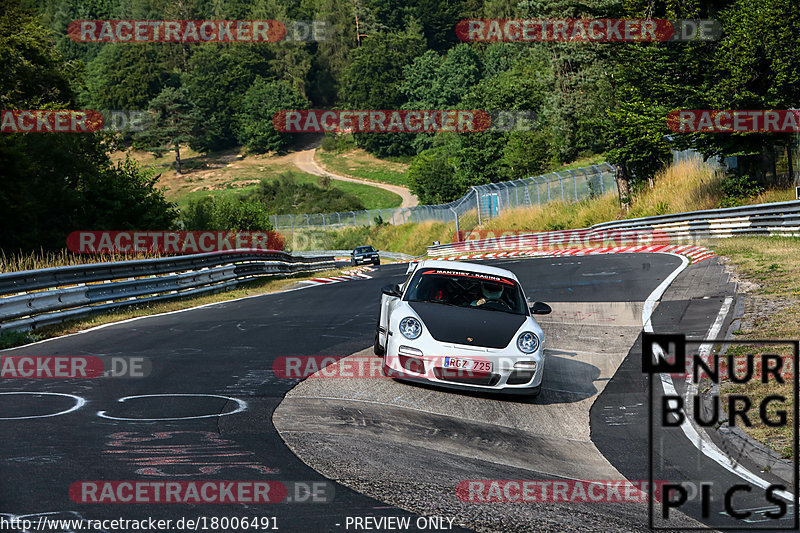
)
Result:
{"points": [[503, 378], [528, 390], [365, 260]]}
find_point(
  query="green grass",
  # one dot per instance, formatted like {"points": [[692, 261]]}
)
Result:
{"points": [[362, 165], [582, 162], [371, 197], [9, 339], [770, 264]]}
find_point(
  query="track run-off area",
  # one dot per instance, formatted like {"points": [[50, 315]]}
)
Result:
{"points": [[373, 454]]}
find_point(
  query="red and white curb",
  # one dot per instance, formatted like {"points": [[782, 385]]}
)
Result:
{"points": [[347, 275], [695, 254]]}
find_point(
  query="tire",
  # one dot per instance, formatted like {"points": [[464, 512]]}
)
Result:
{"points": [[377, 348]]}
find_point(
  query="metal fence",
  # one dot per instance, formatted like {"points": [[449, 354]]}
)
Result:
{"points": [[482, 202], [773, 219], [565, 186]]}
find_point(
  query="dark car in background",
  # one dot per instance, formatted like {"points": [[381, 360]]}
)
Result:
{"points": [[364, 255]]}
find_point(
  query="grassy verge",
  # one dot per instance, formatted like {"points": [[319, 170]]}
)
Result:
{"points": [[371, 197], [687, 186], [46, 259], [359, 164], [253, 288], [557, 215], [770, 276]]}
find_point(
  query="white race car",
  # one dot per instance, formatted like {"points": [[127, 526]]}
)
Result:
{"points": [[461, 325]]}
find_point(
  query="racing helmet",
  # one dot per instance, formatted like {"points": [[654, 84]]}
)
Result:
{"points": [[491, 290]]}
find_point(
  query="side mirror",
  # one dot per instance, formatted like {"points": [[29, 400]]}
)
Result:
{"points": [[540, 308], [392, 290]]}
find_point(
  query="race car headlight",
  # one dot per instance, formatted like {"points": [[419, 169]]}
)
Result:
{"points": [[527, 342], [410, 327]]}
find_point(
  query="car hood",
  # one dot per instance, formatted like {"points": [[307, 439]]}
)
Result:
{"points": [[489, 329]]}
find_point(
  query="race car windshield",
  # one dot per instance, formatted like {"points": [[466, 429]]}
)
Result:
{"points": [[364, 249], [467, 289]]}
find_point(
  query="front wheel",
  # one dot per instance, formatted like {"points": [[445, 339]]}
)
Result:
{"points": [[377, 348]]}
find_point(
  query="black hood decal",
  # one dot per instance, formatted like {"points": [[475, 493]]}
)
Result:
{"points": [[488, 329]]}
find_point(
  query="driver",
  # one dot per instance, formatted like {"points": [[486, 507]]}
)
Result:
{"points": [[492, 292]]}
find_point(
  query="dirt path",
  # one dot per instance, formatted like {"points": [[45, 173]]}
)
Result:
{"points": [[304, 160]]}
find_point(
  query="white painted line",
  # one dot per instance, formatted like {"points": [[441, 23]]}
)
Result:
{"points": [[242, 406], [79, 402], [704, 445]]}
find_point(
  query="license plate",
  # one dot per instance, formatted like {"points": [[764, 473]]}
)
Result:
{"points": [[467, 364]]}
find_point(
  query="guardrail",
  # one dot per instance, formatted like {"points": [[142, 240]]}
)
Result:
{"points": [[35, 298], [774, 219]]}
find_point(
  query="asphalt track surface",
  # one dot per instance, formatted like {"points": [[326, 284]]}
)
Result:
{"points": [[227, 350]]}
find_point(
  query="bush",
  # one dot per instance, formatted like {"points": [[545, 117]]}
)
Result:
{"points": [[285, 196], [431, 177], [333, 142], [736, 189], [9, 339], [226, 214]]}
